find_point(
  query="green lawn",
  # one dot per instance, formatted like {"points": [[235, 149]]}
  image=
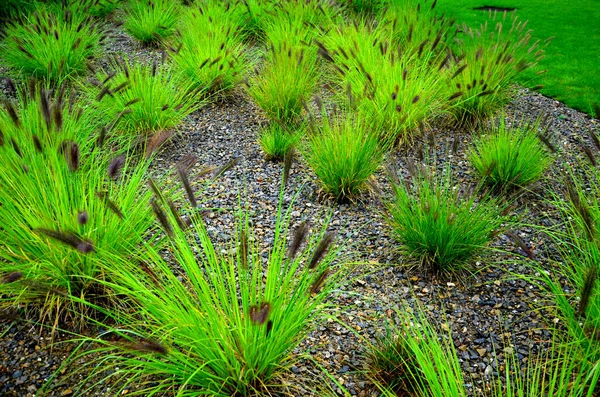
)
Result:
{"points": [[573, 57]]}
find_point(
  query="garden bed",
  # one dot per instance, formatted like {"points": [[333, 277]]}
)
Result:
{"points": [[492, 313]]}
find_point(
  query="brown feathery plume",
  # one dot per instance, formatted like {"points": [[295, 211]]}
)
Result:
{"points": [[581, 208], [12, 112], [72, 155], [594, 138], [61, 65], [260, 315], [153, 277], [181, 171], [57, 116], [486, 92], [69, 239], [155, 189], [85, 247], [176, 214], [226, 167], [162, 218], [269, 327], [318, 283], [11, 277], [288, 160], [82, 217], [110, 204], [119, 88], [324, 52], [187, 162], [16, 147], [546, 141], [104, 91], [455, 95], [76, 44], [110, 75], [588, 289], [243, 249], [114, 168], [101, 137], [147, 346], [459, 71], [589, 154], [134, 100], [299, 236], [521, 243], [156, 141], [36, 143], [322, 247]]}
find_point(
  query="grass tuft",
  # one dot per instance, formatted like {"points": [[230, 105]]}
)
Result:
{"points": [[344, 153], [50, 44], [151, 21], [438, 227], [510, 157]]}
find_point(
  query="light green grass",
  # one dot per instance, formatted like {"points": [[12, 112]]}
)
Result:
{"points": [[572, 58]]}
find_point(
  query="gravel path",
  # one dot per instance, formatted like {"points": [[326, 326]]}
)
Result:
{"points": [[489, 314]]}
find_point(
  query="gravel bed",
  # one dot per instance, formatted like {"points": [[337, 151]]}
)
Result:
{"points": [[490, 314]]}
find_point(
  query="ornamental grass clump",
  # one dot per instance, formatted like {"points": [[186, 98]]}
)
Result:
{"points": [[64, 205], [147, 100], [510, 157], [276, 140], [210, 52], [287, 79], [580, 249], [414, 358], [439, 227], [224, 324], [151, 21], [392, 90], [50, 44], [573, 282], [344, 152], [485, 65]]}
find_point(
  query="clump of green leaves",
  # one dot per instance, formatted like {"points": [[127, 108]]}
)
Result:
{"points": [[277, 140], [210, 52], [413, 358], [485, 65], [510, 157], [151, 21], [65, 206], [392, 90], [439, 227], [286, 81], [50, 44], [145, 99], [248, 312], [344, 152]]}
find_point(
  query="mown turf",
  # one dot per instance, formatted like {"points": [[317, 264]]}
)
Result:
{"points": [[573, 57]]}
